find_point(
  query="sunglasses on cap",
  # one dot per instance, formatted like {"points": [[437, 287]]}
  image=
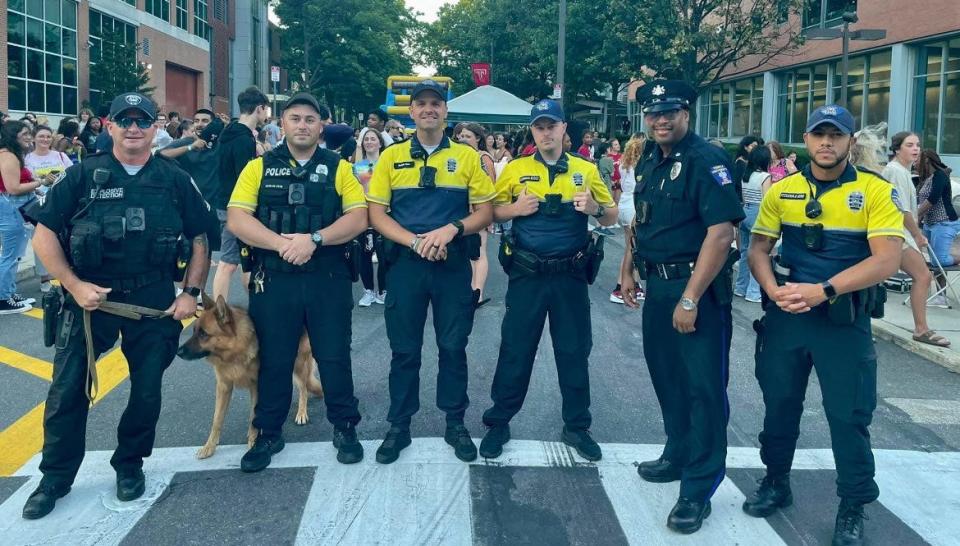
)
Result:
{"points": [[142, 123]]}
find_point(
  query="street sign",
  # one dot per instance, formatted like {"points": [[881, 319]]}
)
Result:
{"points": [[558, 91], [274, 73]]}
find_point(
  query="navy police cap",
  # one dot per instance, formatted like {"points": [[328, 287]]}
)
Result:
{"points": [[664, 95], [432, 86], [133, 101], [838, 116], [546, 108]]}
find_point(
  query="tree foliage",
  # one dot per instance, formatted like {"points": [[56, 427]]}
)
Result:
{"points": [[117, 69], [343, 50]]}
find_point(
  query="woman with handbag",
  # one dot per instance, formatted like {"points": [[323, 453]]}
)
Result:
{"points": [[17, 190]]}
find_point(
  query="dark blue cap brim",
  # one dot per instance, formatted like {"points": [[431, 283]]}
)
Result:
{"points": [[843, 128], [434, 91], [663, 107], [549, 116], [149, 115]]}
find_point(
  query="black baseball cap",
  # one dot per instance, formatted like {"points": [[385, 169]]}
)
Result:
{"points": [[303, 98], [432, 86], [133, 101]]}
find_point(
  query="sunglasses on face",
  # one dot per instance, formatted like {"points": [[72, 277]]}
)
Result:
{"points": [[142, 123], [668, 115]]}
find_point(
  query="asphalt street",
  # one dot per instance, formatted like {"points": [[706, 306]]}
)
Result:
{"points": [[916, 431]]}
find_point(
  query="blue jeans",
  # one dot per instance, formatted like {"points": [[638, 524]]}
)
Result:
{"points": [[746, 284], [941, 236], [13, 238]]}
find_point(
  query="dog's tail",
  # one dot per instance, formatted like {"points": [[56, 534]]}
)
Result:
{"points": [[313, 382]]}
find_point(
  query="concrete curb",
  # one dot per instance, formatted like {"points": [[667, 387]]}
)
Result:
{"points": [[947, 358]]}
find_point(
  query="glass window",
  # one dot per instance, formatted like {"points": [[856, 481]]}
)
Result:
{"points": [[158, 8], [52, 38], [69, 43], [17, 5], [54, 69], [52, 11], [16, 61], [16, 28], [35, 8], [94, 23], [182, 14], [69, 100], [34, 64], [69, 14], [200, 26], [34, 33], [937, 97], [69, 72], [35, 96], [54, 99], [950, 143], [17, 98]]}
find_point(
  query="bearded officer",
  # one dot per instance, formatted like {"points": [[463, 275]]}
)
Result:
{"points": [[686, 210], [297, 206], [110, 231], [550, 259]]}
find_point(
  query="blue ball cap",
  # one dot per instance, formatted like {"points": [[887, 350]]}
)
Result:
{"points": [[838, 116], [431, 86], [546, 108]]}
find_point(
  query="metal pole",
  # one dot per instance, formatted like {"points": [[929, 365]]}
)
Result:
{"points": [[845, 68], [561, 43], [275, 110]]}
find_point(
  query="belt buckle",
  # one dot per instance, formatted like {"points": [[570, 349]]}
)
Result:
{"points": [[662, 271]]}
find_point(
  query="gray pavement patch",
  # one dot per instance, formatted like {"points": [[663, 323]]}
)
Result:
{"points": [[948, 358], [524, 505], [9, 486], [22, 391], [811, 518], [929, 412], [227, 507]]}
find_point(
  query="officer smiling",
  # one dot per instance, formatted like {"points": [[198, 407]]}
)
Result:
{"points": [[429, 185], [686, 207], [550, 259]]}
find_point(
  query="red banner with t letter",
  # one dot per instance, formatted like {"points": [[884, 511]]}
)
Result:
{"points": [[481, 73]]}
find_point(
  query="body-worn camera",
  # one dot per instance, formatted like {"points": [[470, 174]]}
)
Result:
{"points": [[552, 206], [812, 235], [296, 194], [135, 219], [428, 177]]}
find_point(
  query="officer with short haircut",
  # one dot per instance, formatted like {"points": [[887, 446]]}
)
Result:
{"points": [[113, 231], [686, 209], [550, 259], [298, 206], [429, 184], [842, 232]]}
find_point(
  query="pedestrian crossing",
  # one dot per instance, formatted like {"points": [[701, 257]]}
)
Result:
{"points": [[536, 493]]}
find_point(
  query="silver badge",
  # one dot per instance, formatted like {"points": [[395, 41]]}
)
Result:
{"points": [[132, 100], [658, 90], [314, 177], [675, 170], [321, 169], [451, 165], [577, 179]]}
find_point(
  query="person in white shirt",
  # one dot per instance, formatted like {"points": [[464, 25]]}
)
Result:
{"points": [[48, 166], [378, 120]]}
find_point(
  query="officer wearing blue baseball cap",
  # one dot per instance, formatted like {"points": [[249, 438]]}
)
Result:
{"points": [[686, 207], [842, 232], [550, 258]]}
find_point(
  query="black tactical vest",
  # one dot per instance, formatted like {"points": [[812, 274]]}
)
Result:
{"points": [[298, 199], [126, 226]]}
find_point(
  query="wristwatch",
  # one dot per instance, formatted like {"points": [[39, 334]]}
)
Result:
{"points": [[829, 290], [459, 225], [317, 238], [688, 304], [600, 211], [191, 290]]}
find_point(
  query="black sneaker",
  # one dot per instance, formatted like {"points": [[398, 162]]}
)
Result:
{"points": [[24, 300], [43, 499], [849, 528], [458, 437], [492, 445], [687, 515], [774, 493], [580, 440], [397, 438], [259, 456], [349, 450], [130, 484], [9, 307]]}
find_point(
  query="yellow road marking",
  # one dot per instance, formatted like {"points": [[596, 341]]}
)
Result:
{"points": [[36, 313], [26, 363], [23, 439]]}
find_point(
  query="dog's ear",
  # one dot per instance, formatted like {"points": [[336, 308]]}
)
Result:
{"points": [[207, 301], [224, 315]]}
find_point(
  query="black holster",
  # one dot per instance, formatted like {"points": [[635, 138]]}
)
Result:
{"points": [[722, 285], [52, 304], [505, 254], [351, 253], [184, 253], [471, 244], [594, 257]]}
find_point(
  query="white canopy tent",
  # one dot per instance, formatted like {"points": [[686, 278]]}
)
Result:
{"points": [[489, 104]]}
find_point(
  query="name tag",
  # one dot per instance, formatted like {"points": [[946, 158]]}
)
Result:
{"points": [[533, 178], [403, 165], [794, 196]]}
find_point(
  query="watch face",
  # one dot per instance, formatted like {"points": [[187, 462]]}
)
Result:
{"points": [[315, 237]]}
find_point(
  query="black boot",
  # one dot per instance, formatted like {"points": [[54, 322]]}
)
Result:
{"points": [[259, 456], [773, 493], [397, 438], [492, 445], [659, 471], [687, 515], [458, 437], [130, 484], [349, 449], [849, 528], [43, 499], [581, 440]]}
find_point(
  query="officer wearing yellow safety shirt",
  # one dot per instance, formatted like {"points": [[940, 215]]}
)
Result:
{"points": [[550, 259], [297, 206], [429, 185], [842, 232]]}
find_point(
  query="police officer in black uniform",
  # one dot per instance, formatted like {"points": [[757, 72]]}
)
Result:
{"points": [[299, 206], [429, 184], [550, 258], [686, 211], [842, 232], [110, 231]]}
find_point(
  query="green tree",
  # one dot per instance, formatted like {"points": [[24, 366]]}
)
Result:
{"points": [[342, 51], [116, 69]]}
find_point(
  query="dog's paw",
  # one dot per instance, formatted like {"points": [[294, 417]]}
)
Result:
{"points": [[301, 418], [205, 451]]}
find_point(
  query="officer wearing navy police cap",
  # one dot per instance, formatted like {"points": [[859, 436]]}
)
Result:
{"points": [[686, 210], [429, 198], [113, 230], [550, 258], [842, 231]]}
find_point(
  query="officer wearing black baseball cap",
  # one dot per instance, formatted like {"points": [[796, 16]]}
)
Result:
{"points": [[842, 232], [686, 209], [126, 102]]}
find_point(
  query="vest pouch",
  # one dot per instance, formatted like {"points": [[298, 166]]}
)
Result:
{"points": [[274, 221], [286, 222], [505, 254], [163, 249], [594, 257], [316, 222], [301, 219], [86, 251]]}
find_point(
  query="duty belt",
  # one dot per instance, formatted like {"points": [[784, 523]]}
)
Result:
{"points": [[682, 270], [534, 263]]}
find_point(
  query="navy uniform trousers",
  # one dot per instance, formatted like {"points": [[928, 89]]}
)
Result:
{"points": [[320, 301], [530, 299], [149, 345], [689, 374], [846, 363], [414, 284]]}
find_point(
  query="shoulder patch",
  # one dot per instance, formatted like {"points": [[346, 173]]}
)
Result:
{"points": [[895, 197], [721, 174]]}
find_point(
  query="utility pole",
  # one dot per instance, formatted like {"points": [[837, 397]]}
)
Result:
{"points": [[561, 46]]}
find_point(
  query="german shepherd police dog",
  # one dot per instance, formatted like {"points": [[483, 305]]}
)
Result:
{"points": [[225, 336]]}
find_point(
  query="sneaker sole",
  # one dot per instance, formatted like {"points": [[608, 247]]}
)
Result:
{"points": [[579, 452], [387, 459], [253, 469], [348, 458], [786, 503], [691, 530], [615, 300], [16, 311]]}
